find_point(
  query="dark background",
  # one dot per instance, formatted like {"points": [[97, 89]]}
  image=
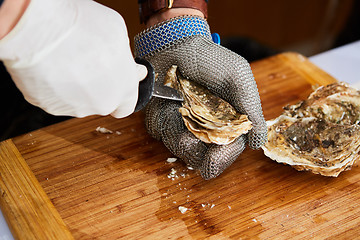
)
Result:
{"points": [[254, 29]]}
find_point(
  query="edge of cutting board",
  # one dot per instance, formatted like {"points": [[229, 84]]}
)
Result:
{"points": [[312, 73], [27, 209]]}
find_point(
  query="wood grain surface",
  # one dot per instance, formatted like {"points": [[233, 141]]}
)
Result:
{"points": [[119, 185], [29, 211]]}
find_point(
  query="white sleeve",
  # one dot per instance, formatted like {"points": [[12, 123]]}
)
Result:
{"points": [[72, 57]]}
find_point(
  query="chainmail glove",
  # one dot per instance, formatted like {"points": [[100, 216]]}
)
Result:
{"points": [[186, 42]]}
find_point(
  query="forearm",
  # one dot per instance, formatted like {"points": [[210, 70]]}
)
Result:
{"points": [[156, 11], [10, 13], [171, 13]]}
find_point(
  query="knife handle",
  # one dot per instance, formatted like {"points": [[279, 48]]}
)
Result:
{"points": [[146, 86]]}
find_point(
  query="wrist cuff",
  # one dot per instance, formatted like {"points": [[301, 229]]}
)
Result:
{"points": [[165, 34]]}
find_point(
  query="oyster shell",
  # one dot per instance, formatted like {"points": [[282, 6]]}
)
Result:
{"points": [[208, 117], [320, 134]]}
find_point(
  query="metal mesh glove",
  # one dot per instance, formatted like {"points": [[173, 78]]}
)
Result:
{"points": [[186, 42]]}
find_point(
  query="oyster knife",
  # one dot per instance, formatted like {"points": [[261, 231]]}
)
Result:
{"points": [[149, 88]]}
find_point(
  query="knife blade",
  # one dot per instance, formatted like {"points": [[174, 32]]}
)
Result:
{"points": [[149, 88]]}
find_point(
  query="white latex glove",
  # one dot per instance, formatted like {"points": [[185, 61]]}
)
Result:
{"points": [[72, 57]]}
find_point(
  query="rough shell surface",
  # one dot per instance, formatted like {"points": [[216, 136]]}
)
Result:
{"points": [[208, 117], [320, 134]]}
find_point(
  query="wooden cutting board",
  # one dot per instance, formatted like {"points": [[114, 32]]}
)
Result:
{"points": [[75, 181]]}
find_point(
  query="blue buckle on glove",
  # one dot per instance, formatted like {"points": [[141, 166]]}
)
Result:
{"points": [[167, 33]]}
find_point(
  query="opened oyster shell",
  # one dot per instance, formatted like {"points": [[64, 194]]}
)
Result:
{"points": [[208, 117], [320, 134]]}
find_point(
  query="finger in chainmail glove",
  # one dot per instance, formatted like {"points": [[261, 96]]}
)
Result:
{"points": [[186, 42]]}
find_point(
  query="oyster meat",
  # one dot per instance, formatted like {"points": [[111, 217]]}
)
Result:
{"points": [[208, 117], [320, 134]]}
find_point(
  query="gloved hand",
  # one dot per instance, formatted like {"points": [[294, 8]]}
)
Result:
{"points": [[186, 42], [72, 57]]}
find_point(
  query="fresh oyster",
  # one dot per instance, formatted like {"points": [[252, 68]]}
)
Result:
{"points": [[208, 117], [320, 134]]}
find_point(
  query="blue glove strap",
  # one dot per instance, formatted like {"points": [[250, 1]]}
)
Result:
{"points": [[167, 33]]}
